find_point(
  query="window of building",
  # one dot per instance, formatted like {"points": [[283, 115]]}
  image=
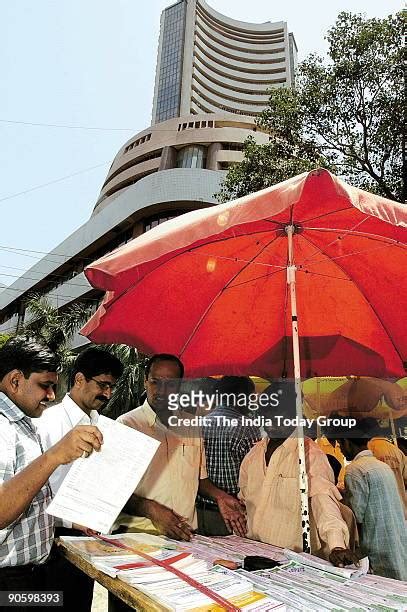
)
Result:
{"points": [[193, 156], [155, 220], [232, 146], [169, 79], [137, 142]]}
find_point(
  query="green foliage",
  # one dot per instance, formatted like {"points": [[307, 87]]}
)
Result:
{"points": [[346, 114], [126, 395], [56, 328], [4, 338]]}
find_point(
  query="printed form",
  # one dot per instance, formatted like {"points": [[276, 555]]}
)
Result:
{"points": [[97, 487]]}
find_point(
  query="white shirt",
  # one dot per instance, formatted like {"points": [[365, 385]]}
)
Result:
{"points": [[55, 422]]}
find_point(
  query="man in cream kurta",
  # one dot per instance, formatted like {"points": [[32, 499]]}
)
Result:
{"points": [[164, 500], [272, 498], [173, 476]]}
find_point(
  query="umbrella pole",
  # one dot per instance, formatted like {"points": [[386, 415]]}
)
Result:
{"points": [[318, 408], [303, 479], [393, 429]]}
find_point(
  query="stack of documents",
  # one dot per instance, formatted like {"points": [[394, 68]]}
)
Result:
{"points": [[231, 548], [137, 570], [303, 587], [302, 583], [177, 595]]}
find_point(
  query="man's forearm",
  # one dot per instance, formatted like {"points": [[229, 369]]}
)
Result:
{"points": [[332, 529], [139, 506], [208, 489], [17, 493]]}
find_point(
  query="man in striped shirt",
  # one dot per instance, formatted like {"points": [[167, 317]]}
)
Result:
{"points": [[28, 375]]}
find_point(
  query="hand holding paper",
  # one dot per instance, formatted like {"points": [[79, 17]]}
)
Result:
{"points": [[80, 439], [96, 488]]}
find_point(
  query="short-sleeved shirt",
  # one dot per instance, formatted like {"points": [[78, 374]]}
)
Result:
{"points": [[172, 478], [29, 538]]}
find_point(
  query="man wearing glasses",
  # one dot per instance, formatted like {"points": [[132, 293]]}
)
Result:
{"points": [[92, 381]]}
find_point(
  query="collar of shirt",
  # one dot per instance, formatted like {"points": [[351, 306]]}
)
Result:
{"points": [[10, 410], [153, 421], [149, 414], [363, 453], [76, 415]]}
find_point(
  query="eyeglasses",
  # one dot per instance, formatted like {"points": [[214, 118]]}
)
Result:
{"points": [[103, 384]]}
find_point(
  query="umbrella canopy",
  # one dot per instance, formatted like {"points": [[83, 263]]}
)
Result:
{"points": [[211, 286]]}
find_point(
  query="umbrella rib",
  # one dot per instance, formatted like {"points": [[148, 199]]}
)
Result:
{"points": [[349, 232], [239, 259], [384, 246], [257, 277], [348, 280], [333, 212], [369, 304], [187, 250], [208, 308]]}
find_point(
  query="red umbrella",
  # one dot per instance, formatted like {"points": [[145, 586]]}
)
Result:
{"points": [[219, 288], [211, 285]]}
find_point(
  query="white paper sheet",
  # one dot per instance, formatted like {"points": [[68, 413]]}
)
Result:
{"points": [[96, 488]]}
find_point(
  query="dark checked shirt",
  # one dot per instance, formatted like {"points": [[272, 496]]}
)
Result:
{"points": [[226, 445], [29, 538]]}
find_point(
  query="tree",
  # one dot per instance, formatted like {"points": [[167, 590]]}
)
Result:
{"points": [[56, 328], [129, 388], [347, 114], [4, 338]]}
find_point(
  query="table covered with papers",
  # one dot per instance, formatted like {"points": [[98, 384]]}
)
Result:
{"points": [[299, 582]]}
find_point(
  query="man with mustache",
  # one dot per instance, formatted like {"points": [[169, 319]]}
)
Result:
{"points": [[92, 380]]}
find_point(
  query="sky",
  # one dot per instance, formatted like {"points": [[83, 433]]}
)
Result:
{"points": [[86, 65]]}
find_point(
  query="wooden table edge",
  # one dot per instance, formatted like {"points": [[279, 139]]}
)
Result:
{"points": [[130, 595]]}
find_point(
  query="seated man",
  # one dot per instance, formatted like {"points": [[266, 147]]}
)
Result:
{"points": [[269, 487], [371, 492], [164, 500]]}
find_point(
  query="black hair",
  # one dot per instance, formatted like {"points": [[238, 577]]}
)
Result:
{"points": [[287, 397], [163, 357], [235, 384], [359, 434], [94, 361], [28, 356]]}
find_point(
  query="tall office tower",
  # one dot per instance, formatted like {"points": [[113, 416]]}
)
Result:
{"points": [[208, 62], [212, 78]]}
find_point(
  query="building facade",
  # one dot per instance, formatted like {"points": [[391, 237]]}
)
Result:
{"points": [[212, 78], [209, 63]]}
